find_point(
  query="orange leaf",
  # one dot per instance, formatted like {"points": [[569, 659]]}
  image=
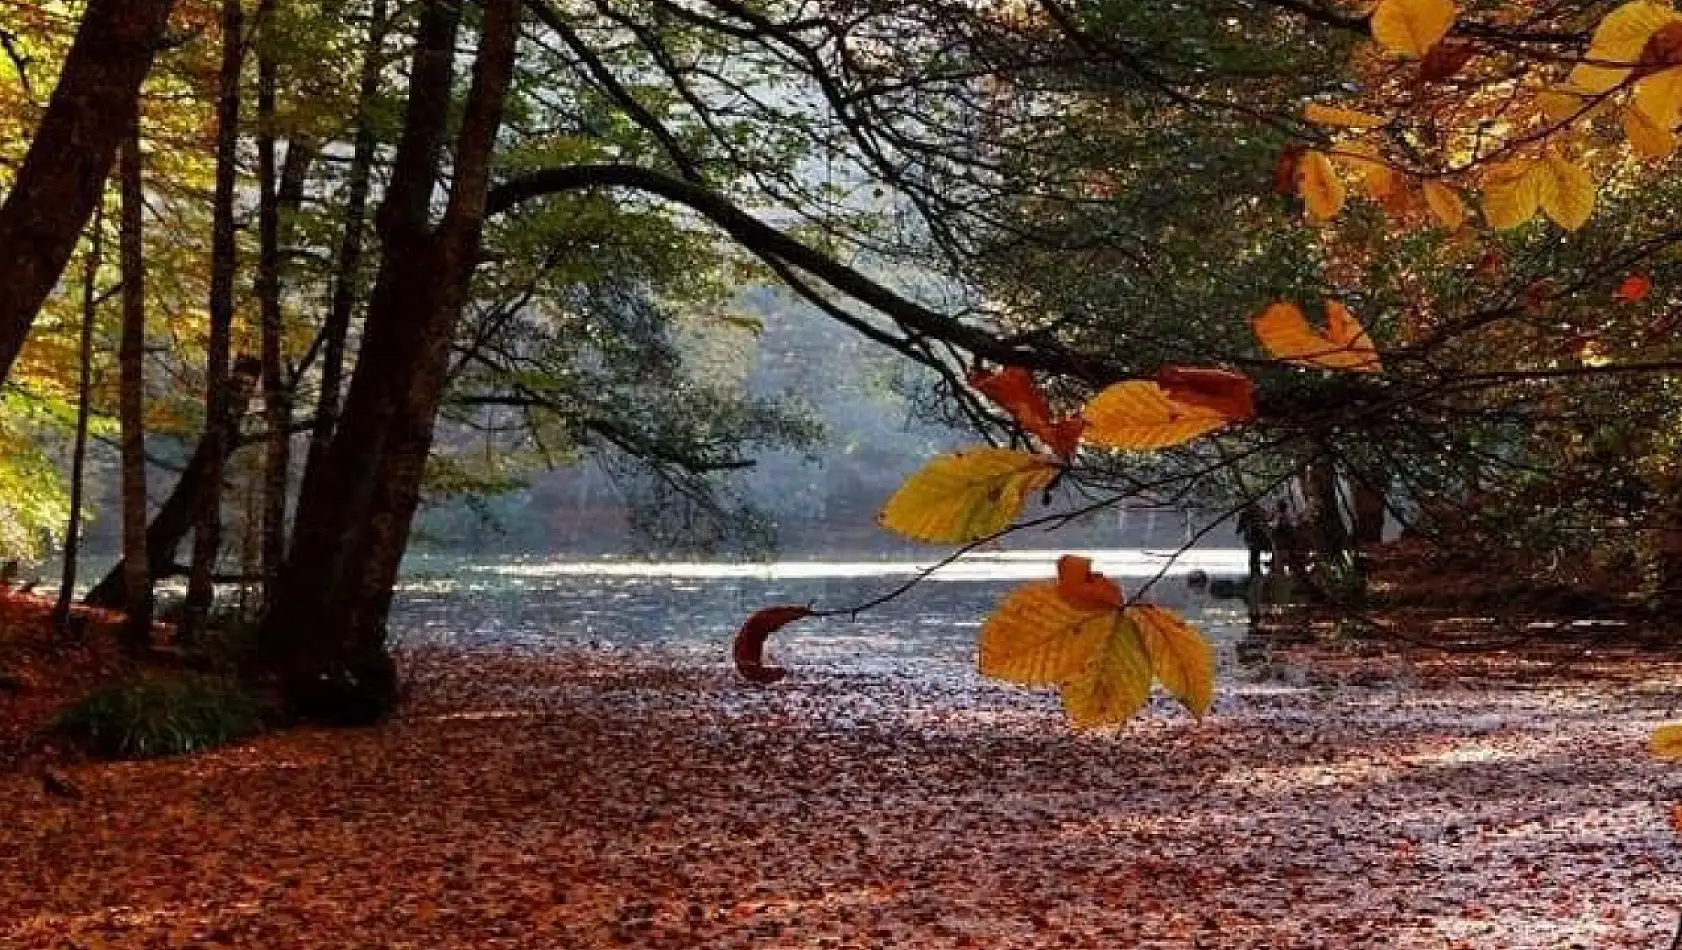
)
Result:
{"points": [[1083, 587], [1228, 393], [1139, 416], [749, 647], [1287, 335], [1634, 289], [1014, 390]]}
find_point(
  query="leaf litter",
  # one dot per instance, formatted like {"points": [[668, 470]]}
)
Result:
{"points": [[651, 799]]}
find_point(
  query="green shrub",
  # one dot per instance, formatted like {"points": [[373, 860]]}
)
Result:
{"points": [[154, 715]]}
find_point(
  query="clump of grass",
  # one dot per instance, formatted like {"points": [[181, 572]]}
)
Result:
{"points": [[155, 715]]}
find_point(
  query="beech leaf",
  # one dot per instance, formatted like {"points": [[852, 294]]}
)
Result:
{"points": [[1140, 415], [1412, 27], [964, 496], [1287, 335], [1038, 637]]}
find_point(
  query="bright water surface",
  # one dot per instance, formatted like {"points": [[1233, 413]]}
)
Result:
{"points": [[696, 607]]}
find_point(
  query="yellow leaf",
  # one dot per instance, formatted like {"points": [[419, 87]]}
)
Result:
{"points": [[1561, 105], [966, 495], [1565, 192], [1445, 204], [1648, 140], [1338, 116], [1115, 683], [1139, 416], [1412, 27], [1510, 194], [1319, 185], [1618, 42], [1039, 638], [1287, 335], [1659, 97], [1667, 742], [1180, 657]]}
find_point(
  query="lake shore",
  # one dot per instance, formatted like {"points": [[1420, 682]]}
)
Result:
{"points": [[611, 798]]}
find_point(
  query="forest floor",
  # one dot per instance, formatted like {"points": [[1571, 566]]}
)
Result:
{"points": [[605, 799]]}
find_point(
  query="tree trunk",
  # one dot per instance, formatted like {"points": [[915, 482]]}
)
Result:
{"points": [[207, 539], [1371, 506], [277, 401], [79, 454], [131, 410], [1330, 538], [348, 267], [326, 633], [63, 176], [175, 517]]}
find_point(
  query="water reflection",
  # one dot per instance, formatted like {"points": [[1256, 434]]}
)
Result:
{"points": [[696, 607]]}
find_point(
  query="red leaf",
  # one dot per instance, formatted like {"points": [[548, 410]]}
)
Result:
{"points": [[1634, 289], [1445, 59], [1014, 390], [1080, 585], [749, 648], [1285, 171], [1232, 395]]}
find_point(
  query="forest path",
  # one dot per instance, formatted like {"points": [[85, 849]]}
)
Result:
{"points": [[638, 799]]}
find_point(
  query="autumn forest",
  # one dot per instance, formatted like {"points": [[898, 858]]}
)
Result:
{"points": [[1284, 399]]}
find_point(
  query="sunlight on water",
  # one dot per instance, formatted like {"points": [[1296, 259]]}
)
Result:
{"points": [[991, 566], [696, 607]]}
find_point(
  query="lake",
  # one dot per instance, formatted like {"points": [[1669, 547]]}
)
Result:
{"points": [[695, 608]]}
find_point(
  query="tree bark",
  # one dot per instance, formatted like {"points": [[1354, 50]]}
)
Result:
{"points": [[207, 539], [79, 453], [1371, 506], [348, 266], [63, 176], [326, 632], [131, 409], [175, 517], [277, 399]]}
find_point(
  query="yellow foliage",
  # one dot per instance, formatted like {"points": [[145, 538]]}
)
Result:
{"points": [[1659, 97], [1286, 334], [1179, 656], [1666, 742], [1565, 191], [1561, 105], [1510, 194], [1648, 140], [964, 496], [1411, 27], [1116, 682], [1337, 116], [1139, 415], [1445, 204], [1617, 44], [1103, 657], [1318, 182], [1039, 638]]}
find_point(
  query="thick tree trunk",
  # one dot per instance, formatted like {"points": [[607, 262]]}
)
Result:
{"points": [[1370, 506], [207, 539], [326, 632], [277, 400], [1325, 516], [79, 453], [131, 410], [175, 517], [348, 266], [63, 176]]}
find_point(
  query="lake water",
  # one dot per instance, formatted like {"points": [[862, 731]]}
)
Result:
{"points": [[695, 608]]}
